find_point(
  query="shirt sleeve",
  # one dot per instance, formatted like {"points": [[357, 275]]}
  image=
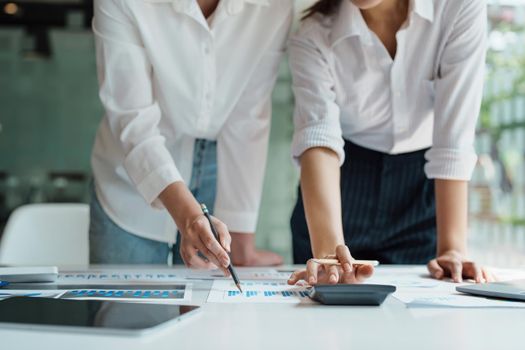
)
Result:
{"points": [[458, 93], [242, 144], [316, 114], [126, 92]]}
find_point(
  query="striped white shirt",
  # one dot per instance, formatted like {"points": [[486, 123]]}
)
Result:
{"points": [[347, 86]]}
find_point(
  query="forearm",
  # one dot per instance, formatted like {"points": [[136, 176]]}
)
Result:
{"points": [[452, 215], [322, 199], [180, 203]]}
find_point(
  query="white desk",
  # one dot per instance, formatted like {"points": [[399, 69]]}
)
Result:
{"points": [[288, 326]]}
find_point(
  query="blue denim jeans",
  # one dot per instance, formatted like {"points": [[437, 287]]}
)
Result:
{"points": [[110, 244]]}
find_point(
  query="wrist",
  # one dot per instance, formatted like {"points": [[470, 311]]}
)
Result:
{"points": [[182, 206], [325, 250], [459, 253], [452, 242], [242, 248], [243, 243]]}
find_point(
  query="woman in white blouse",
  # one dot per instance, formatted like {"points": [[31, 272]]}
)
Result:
{"points": [[186, 88], [387, 97]]}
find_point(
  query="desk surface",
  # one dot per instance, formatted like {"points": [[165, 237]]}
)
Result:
{"points": [[281, 326]]}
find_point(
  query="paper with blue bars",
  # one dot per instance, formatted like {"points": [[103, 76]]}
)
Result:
{"points": [[256, 291]]}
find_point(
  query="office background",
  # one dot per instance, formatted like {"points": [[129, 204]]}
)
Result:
{"points": [[49, 112]]}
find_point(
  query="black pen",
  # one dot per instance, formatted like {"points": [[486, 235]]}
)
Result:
{"points": [[230, 267]]}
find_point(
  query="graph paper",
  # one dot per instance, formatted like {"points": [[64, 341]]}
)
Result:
{"points": [[255, 291]]}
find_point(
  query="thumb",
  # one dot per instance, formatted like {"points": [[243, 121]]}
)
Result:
{"points": [[435, 270]]}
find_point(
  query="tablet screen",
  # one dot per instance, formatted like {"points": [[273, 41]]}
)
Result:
{"points": [[93, 314]]}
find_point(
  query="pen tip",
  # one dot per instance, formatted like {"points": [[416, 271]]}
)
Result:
{"points": [[239, 286]]}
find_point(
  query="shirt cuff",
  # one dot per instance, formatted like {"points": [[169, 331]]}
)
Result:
{"points": [[450, 164], [237, 221], [321, 134], [156, 181]]}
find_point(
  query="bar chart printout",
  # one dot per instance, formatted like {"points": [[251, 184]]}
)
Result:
{"points": [[170, 293], [257, 292]]}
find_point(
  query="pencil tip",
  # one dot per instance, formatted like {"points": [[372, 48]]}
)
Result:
{"points": [[239, 286]]}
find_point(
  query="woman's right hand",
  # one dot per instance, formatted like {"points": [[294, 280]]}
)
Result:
{"points": [[197, 238], [316, 273], [195, 230]]}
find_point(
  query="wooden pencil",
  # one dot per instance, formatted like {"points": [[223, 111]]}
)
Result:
{"points": [[354, 262], [230, 267]]}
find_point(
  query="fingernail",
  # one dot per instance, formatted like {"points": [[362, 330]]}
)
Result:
{"points": [[225, 261], [333, 278], [311, 280], [348, 267]]}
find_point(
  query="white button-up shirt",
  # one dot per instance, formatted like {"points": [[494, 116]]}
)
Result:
{"points": [[168, 77], [347, 85]]}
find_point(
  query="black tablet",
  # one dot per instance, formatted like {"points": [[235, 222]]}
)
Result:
{"points": [[93, 316], [351, 294]]}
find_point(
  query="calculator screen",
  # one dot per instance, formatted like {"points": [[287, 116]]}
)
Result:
{"points": [[88, 313]]}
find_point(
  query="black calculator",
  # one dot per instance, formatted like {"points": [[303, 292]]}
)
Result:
{"points": [[351, 294]]}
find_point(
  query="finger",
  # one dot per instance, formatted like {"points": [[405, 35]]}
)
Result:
{"points": [[202, 230], [311, 271], [472, 270], [193, 260], [209, 255], [297, 276], [453, 266], [204, 252], [197, 262], [456, 271], [488, 275], [185, 257], [333, 273], [350, 277], [435, 270], [224, 235], [345, 258], [362, 272], [211, 243]]}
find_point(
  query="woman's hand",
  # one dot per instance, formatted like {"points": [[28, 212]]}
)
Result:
{"points": [[316, 273], [197, 238], [199, 248], [452, 264]]}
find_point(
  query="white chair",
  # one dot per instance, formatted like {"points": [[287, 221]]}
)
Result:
{"points": [[46, 234]]}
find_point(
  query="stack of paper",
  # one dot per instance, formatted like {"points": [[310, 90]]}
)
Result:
{"points": [[417, 289]]}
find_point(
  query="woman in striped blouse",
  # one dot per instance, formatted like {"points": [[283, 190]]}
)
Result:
{"points": [[387, 97]]}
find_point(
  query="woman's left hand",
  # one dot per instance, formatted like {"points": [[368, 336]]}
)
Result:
{"points": [[452, 264], [347, 273]]}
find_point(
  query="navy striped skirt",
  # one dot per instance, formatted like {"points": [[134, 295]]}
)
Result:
{"points": [[388, 208]]}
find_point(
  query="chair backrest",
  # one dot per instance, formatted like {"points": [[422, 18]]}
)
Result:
{"points": [[46, 234]]}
